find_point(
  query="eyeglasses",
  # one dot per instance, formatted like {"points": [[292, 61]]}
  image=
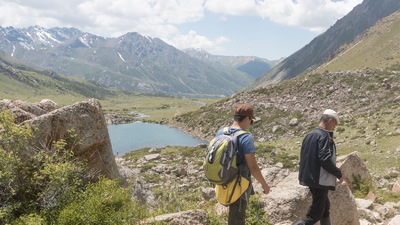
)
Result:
{"points": [[251, 121]]}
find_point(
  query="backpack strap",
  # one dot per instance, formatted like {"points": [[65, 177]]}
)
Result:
{"points": [[226, 131]]}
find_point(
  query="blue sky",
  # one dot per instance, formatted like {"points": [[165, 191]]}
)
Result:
{"points": [[264, 28]]}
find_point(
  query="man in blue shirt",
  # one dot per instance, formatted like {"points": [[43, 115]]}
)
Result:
{"points": [[243, 118]]}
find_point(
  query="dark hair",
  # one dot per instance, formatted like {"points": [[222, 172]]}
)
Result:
{"points": [[239, 118], [324, 118]]}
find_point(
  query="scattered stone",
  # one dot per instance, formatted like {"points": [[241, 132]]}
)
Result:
{"points": [[152, 157], [193, 217], [362, 203], [202, 145], [294, 122], [221, 209], [208, 193], [153, 150], [388, 210], [396, 187], [365, 222], [395, 220], [370, 215], [180, 172], [276, 128], [371, 196]]}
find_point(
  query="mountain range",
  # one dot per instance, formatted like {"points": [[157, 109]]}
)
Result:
{"points": [[328, 45], [22, 81], [254, 66], [131, 62]]}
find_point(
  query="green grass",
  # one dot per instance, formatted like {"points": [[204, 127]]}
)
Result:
{"points": [[377, 48], [157, 107]]}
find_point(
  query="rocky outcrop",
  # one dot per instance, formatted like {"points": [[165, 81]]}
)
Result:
{"points": [[24, 110], [193, 217], [395, 220], [85, 119], [289, 201], [352, 168]]}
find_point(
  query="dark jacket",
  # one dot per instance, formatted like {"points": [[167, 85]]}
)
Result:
{"points": [[318, 160]]}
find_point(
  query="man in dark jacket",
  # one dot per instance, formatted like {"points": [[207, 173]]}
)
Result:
{"points": [[318, 168]]}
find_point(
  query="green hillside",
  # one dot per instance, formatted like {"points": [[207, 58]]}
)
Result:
{"points": [[378, 47], [21, 81], [24, 82], [366, 100], [325, 46]]}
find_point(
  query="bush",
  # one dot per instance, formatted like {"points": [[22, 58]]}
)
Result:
{"points": [[34, 182], [255, 212], [361, 186], [104, 202], [46, 184]]}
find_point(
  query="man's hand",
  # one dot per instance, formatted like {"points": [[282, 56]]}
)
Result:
{"points": [[267, 189], [340, 180]]}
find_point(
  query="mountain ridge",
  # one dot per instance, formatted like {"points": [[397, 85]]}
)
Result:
{"points": [[131, 62], [252, 65], [325, 46]]}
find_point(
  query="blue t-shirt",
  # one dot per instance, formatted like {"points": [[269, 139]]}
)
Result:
{"points": [[246, 144]]}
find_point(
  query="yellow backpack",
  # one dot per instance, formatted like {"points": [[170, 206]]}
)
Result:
{"points": [[227, 194]]}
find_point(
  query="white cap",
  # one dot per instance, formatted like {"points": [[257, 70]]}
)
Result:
{"points": [[332, 113]]}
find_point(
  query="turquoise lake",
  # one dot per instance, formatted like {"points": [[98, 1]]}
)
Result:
{"points": [[133, 136]]}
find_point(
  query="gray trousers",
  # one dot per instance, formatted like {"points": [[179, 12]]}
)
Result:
{"points": [[237, 212]]}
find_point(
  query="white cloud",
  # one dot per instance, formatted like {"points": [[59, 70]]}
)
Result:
{"points": [[193, 40], [313, 15], [231, 7], [103, 17], [160, 18]]}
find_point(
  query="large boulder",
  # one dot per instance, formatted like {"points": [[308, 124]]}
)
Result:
{"points": [[87, 121], [51, 123], [289, 202], [23, 111], [352, 166], [395, 220]]}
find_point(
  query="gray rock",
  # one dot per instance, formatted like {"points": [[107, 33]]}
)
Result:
{"points": [[362, 203], [180, 172], [193, 217], [208, 193], [202, 145], [352, 165], [370, 216], [276, 128], [289, 201], [396, 186], [294, 122], [152, 157], [395, 220], [87, 121], [153, 150], [51, 123]]}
